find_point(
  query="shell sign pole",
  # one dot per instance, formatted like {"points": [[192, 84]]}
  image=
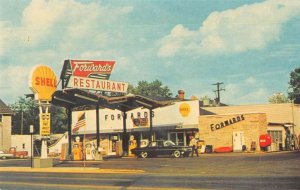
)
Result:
{"points": [[43, 83]]}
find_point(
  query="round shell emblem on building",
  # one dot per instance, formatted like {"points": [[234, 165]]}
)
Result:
{"points": [[43, 82], [184, 109]]}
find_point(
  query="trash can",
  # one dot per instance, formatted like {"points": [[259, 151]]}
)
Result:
{"points": [[208, 149]]}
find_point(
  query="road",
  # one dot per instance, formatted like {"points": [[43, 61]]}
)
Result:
{"points": [[210, 171]]}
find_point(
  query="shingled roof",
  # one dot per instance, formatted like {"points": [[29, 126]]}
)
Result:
{"points": [[4, 109]]}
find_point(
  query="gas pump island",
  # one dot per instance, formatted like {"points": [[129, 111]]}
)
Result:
{"points": [[42, 82]]}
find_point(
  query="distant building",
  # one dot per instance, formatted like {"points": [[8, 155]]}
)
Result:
{"points": [[5, 126], [219, 125]]}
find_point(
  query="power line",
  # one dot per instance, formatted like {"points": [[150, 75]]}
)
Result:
{"points": [[218, 84]]}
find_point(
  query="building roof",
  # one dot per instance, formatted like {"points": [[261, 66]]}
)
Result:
{"points": [[4, 109], [82, 99], [276, 113]]}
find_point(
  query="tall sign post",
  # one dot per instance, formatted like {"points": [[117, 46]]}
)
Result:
{"points": [[90, 75], [31, 130], [43, 84]]}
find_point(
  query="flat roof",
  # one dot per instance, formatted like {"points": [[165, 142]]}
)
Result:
{"points": [[85, 100]]}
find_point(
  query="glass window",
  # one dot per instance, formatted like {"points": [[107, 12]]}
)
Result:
{"points": [[276, 136], [1, 118]]}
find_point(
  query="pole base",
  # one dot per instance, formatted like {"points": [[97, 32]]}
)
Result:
{"points": [[42, 163]]}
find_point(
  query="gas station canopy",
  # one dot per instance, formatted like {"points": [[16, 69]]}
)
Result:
{"points": [[82, 99]]}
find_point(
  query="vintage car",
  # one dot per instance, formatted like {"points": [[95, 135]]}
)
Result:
{"points": [[4, 155], [162, 147]]}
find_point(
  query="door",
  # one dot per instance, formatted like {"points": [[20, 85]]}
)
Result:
{"points": [[238, 141], [113, 144]]}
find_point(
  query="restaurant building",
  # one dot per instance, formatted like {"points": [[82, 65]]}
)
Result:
{"points": [[239, 127], [176, 122], [236, 126]]}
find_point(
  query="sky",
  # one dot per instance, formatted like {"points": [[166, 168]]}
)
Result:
{"points": [[249, 45]]}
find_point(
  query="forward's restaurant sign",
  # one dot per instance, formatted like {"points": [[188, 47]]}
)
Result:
{"points": [[92, 74]]}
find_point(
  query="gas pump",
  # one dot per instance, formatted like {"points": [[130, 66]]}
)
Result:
{"points": [[132, 144], [77, 149], [89, 151]]}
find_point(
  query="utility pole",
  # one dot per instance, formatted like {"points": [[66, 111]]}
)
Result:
{"points": [[218, 91]]}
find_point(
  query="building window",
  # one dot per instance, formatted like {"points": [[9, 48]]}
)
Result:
{"points": [[276, 136], [1, 118]]}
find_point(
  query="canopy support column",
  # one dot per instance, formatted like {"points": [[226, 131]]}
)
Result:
{"points": [[98, 127], [124, 136], [151, 126], [69, 112]]}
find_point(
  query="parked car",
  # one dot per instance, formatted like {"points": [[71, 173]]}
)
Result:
{"points": [[4, 155], [162, 147], [18, 154]]}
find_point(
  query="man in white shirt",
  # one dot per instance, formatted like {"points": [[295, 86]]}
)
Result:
{"points": [[193, 144]]}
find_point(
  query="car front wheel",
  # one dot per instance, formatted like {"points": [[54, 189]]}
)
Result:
{"points": [[176, 153], [144, 154]]}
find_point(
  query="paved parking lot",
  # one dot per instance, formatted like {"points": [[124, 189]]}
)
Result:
{"points": [[208, 171], [258, 164]]}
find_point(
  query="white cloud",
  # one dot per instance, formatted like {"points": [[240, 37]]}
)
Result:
{"points": [[255, 96], [14, 78], [240, 94], [65, 23], [49, 32], [237, 30], [251, 81]]}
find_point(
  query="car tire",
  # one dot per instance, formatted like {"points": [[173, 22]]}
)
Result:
{"points": [[176, 154], [144, 154]]}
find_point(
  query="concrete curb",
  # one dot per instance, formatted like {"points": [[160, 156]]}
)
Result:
{"points": [[69, 170]]}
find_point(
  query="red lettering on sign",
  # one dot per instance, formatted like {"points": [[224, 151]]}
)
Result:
{"points": [[42, 81]]}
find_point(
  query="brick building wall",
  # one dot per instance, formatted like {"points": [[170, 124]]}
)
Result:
{"points": [[5, 132], [217, 130]]}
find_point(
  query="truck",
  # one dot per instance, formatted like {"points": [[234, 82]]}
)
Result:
{"points": [[17, 154]]}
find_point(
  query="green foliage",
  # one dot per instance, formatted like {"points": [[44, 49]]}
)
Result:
{"points": [[278, 98], [294, 87], [26, 113], [154, 88], [59, 119]]}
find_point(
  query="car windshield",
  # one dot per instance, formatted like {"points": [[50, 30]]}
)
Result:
{"points": [[169, 143]]}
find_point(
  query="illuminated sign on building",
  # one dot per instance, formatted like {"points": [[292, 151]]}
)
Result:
{"points": [[43, 82], [92, 69], [97, 84], [184, 109]]}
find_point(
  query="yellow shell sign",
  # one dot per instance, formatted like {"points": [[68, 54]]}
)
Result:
{"points": [[43, 82], [184, 109]]}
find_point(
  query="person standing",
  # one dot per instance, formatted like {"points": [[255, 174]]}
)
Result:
{"points": [[193, 144]]}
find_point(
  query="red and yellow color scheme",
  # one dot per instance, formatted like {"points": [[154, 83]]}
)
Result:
{"points": [[184, 109], [43, 82]]}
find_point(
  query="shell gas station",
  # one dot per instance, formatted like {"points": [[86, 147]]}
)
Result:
{"points": [[103, 119]]}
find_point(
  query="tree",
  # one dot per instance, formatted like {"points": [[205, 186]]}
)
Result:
{"points": [[26, 113], [154, 88], [278, 98], [294, 86], [59, 119]]}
